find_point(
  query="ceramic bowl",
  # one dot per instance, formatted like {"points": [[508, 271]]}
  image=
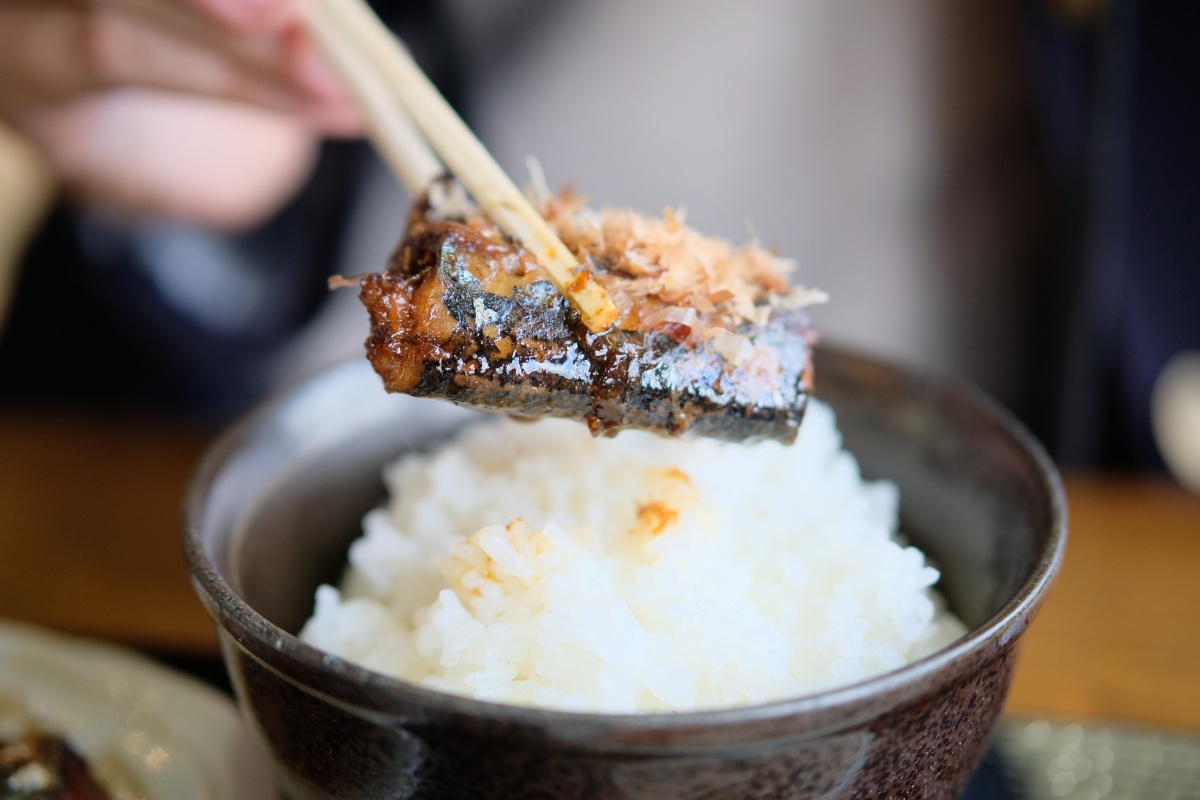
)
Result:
{"points": [[279, 498]]}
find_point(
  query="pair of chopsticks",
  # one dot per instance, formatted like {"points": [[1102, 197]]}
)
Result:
{"points": [[416, 131]]}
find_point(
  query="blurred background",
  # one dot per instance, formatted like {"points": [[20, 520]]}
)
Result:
{"points": [[1003, 192]]}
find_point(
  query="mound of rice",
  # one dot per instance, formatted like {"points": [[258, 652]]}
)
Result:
{"points": [[532, 564]]}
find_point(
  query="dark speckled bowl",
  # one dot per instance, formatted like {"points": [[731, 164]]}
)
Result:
{"points": [[278, 501]]}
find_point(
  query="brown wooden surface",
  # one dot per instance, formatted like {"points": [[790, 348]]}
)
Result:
{"points": [[1119, 637], [90, 514], [89, 543]]}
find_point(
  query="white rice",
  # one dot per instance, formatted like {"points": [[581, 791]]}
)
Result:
{"points": [[513, 565]]}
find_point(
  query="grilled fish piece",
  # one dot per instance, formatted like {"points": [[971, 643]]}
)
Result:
{"points": [[466, 315], [43, 767]]}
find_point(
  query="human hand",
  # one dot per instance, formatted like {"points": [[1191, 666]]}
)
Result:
{"points": [[207, 110]]}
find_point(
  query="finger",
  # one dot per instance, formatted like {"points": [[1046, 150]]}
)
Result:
{"points": [[51, 51], [32, 46], [248, 15], [144, 152], [231, 16], [283, 53], [280, 46], [286, 54]]}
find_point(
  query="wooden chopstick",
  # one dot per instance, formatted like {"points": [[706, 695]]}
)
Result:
{"points": [[465, 155], [391, 129]]}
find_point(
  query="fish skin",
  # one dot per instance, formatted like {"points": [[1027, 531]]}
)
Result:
{"points": [[443, 328]]}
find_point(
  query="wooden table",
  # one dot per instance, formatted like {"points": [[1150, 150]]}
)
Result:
{"points": [[89, 543]]}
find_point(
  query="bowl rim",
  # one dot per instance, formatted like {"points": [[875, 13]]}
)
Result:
{"points": [[295, 660]]}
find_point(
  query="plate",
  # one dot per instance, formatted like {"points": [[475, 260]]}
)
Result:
{"points": [[148, 732]]}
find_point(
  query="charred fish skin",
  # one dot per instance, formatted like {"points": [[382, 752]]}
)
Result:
{"points": [[693, 390], [474, 336], [463, 318]]}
